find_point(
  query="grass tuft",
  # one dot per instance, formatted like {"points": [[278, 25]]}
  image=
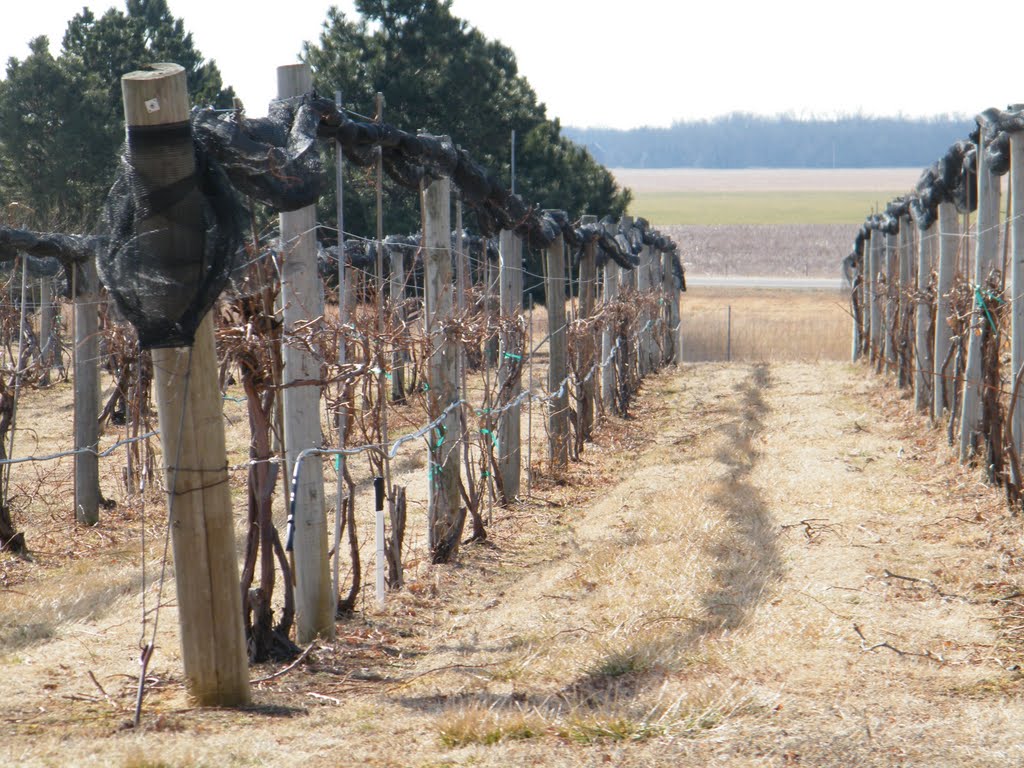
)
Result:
{"points": [[594, 729], [485, 727]]}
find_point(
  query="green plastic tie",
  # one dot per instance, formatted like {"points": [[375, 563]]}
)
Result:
{"points": [[980, 299]]}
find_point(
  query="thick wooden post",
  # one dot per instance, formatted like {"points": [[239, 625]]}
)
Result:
{"points": [[948, 236], [857, 310], [875, 298], [558, 407], [510, 367], [924, 381], [445, 516], [608, 351], [492, 303], [301, 299], [342, 417], [905, 298], [891, 300], [87, 394], [985, 260], [1017, 276], [588, 344], [671, 293], [643, 289], [192, 431]]}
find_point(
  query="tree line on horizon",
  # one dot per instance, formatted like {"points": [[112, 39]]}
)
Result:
{"points": [[744, 140], [62, 126]]}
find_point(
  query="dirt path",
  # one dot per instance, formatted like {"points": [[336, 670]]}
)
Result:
{"points": [[770, 565]]}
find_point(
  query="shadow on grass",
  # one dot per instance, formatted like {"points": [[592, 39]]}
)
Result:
{"points": [[744, 564]]}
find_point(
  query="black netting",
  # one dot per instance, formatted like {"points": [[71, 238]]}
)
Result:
{"points": [[998, 126], [275, 160], [170, 248]]}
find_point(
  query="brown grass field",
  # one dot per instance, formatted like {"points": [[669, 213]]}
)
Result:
{"points": [[765, 324], [770, 563]]}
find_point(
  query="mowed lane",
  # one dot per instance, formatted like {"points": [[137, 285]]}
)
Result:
{"points": [[746, 592]]}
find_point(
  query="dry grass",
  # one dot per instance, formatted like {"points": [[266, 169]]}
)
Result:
{"points": [[773, 325], [685, 595]]}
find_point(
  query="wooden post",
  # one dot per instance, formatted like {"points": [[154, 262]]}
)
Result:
{"points": [[924, 381], [654, 292], [671, 311], [904, 296], [510, 369], [192, 431], [891, 300], [300, 297], [608, 351], [875, 298], [643, 289], [857, 311], [445, 516], [985, 260], [87, 394], [492, 302], [558, 407], [342, 425], [1017, 276], [588, 290], [949, 235]]}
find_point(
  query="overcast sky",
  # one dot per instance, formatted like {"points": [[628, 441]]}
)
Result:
{"points": [[652, 62]]}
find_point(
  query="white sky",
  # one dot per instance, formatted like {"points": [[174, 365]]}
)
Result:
{"points": [[651, 62]]}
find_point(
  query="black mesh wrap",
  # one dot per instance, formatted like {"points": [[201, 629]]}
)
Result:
{"points": [[170, 249]]}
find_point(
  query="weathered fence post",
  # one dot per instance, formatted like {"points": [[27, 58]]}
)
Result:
{"points": [[342, 414], [191, 417], [949, 235], [510, 367], [857, 308], [924, 381], [588, 290], [608, 351], [643, 289], [671, 313], [445, 516], [985, 260], [492, 303], [875, 298], [891, 300], [558, 407], [301, 299], [87, 393], [905, 297], [1017, 276]]}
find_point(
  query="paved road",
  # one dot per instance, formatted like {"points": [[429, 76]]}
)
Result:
{"points": [[810, 283]]}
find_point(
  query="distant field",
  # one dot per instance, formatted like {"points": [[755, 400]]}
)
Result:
{"points": [[764, 324], [762, 196]]}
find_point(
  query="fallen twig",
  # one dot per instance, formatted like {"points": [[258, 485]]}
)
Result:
{"points": [[286, 670], [812, 527], [887, 574], [865, 646]]}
